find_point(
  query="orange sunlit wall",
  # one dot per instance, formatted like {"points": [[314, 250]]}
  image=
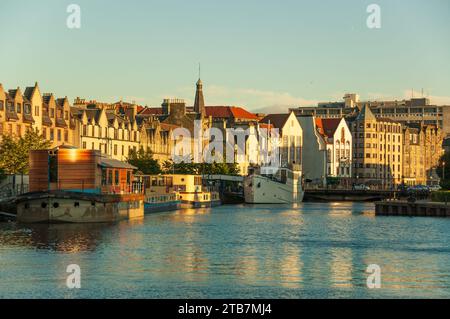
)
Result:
{"points": [[77, 169], [38, 171]]}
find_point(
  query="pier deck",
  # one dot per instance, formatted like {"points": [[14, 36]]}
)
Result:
{"points": [[405, 208]]}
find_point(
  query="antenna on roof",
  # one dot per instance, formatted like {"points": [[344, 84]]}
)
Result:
{"points": [[199, 70]]}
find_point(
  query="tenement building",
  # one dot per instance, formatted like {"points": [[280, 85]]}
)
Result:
{"points": [[377, 150], [174, 113], [50, 116], [112, 131], [414, 110], [422, 151]]}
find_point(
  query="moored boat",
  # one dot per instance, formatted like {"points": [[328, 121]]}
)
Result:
{"points": [[69, 185], [282, 187], [76, 207], [174, 191], [159, 193]]}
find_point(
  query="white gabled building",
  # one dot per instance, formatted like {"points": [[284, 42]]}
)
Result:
{"points": [[291, 137], [328, 150]]}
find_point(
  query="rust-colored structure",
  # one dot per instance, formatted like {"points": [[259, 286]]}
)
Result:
{"points": [[79, 170]]}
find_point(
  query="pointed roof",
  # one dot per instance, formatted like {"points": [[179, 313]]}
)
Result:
{"points": [[14, 93], [199, 104], [277, 120], [366, 114], [29, 91], [327, 127], [235, 112]]}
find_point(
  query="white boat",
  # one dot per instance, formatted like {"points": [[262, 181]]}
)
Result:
{"points": [[282, 187]]}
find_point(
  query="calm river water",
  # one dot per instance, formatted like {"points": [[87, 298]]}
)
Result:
{"points": [[315, 250]]}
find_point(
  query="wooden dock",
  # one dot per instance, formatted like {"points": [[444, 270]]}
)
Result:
{"points": [[416, 209], [332, 195]]}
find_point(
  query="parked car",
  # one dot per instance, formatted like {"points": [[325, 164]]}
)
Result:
{"points": [[435, 188], [361, 187]]}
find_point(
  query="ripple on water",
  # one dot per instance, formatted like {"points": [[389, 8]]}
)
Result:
{"points": [[313, 250]]}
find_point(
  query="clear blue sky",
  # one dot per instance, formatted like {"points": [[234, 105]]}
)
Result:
{"points": [[255, 53]]}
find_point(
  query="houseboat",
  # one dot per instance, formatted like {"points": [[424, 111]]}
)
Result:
{"points": [[69, 185], [172, 192], [159, 193], [193, 193], [284, 186]]}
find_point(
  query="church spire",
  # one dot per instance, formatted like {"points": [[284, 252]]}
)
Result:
{"points": [[199, 104]]}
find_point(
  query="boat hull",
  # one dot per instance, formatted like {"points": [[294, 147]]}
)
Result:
{"points": [[78, 208], [161, 207], [262, 190], [199, 204]]}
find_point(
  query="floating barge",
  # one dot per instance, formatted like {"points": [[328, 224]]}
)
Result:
{"points": [[69, 185], [416, 209], [74, 207]]}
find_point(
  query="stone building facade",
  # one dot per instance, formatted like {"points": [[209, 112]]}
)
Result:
{"points": [[422, 151], [377, 150], [412, 111], [112, 133], [50, 116]]}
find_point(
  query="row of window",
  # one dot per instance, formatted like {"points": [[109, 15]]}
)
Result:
{"points": [[376, 156], [49, 134], [382, 147], [340, 155], [27, 109], [90, 130], [112, 177], [375, 135], [389, 128], [340, 171], [103, 147]]}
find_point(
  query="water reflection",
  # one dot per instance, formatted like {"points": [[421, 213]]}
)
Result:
{"points": [[67, 238], [313, 250]]}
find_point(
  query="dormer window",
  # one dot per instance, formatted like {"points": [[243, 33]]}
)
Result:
{"points": [[2, 105], [11, 107], [19, 108], [52, 112], [27, 109]]}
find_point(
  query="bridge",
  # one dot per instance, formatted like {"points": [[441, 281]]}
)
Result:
{"points": [[232, 191]]}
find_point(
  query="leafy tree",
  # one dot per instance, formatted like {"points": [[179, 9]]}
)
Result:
{"points": [[14, 153], [201, 168], [143, 160], [445, 176]]}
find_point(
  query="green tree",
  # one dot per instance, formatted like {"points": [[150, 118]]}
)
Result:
{"points": [[444, 175], [167, 167], [143, 160], [15, 152]]}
